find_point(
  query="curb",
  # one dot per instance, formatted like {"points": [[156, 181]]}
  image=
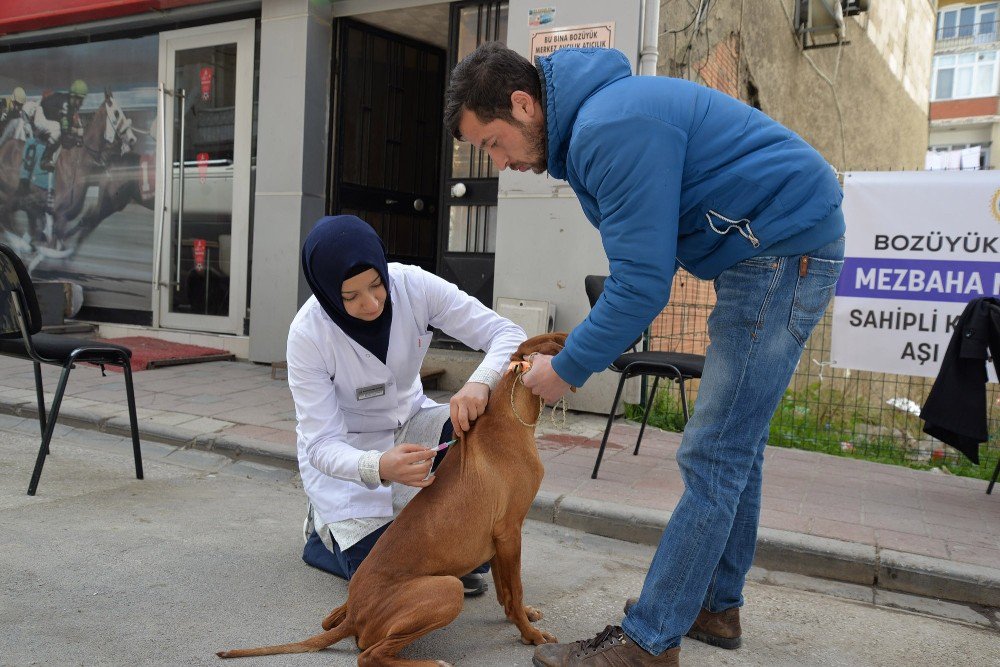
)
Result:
{"points": [[777, 550], [784, 551], [172, 435]]}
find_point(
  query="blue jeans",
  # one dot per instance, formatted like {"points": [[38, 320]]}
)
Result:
{"points": [[764, 313]]}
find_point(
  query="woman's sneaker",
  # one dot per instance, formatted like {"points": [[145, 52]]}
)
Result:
{"points": [[474, 584]]}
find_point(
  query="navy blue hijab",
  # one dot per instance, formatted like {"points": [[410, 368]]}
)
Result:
{"points": [[340, 247]]}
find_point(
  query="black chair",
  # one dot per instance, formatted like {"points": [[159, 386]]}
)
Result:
{"points": [[20, 324], [676, 366]]}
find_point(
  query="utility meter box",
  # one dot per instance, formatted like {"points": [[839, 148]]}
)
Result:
{"points": [[535, 317]]}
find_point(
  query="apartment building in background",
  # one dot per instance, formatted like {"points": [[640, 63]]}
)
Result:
{"points": [[965, 87]]}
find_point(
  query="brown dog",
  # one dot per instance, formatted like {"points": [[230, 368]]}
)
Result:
{"points": [[408, 585]]}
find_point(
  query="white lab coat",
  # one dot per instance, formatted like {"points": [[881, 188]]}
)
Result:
{"points": [[326, 368]]}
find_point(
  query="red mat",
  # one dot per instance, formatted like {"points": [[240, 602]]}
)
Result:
{"points": [[150, 353]]}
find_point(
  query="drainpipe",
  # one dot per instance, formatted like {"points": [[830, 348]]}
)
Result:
{"points": [[648, 55], [649, 52]]}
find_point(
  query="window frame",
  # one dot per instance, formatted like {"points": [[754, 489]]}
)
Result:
{"points": [[976, 69]]}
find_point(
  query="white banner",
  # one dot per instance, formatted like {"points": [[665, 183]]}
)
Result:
{"points": [[920, 245]]}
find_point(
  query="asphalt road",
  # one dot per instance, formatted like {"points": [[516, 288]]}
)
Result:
{"points": [[102, 569]]}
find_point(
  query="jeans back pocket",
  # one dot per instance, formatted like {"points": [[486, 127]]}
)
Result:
{"points": [[813, 292]]}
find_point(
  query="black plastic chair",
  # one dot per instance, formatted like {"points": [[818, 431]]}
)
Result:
{"points": [[676, 366], [20, 324]]}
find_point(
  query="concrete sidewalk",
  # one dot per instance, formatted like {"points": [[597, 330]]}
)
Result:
{"points": [[890, 528]]}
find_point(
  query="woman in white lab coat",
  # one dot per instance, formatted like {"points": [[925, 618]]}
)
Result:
{"points": [[354, 354]]}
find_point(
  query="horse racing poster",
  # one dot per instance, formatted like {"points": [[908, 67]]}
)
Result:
{"points": [[76, 158], [919, 247]]}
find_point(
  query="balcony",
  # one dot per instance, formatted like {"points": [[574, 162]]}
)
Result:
{"points": [[967, 34]]}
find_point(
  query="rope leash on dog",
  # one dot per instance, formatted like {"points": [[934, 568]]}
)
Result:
{"points": [[519, 368]]}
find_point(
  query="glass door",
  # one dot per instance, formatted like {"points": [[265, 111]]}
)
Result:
{"points": [[469, 193], [203, 195]]}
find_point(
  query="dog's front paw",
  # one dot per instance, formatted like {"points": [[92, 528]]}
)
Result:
{"points": [[538, 637], [532, 613]]}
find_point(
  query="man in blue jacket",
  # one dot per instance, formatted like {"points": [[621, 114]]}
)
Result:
{"points": [[672, 174]]}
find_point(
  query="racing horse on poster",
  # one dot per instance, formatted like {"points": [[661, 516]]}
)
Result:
{"points": [[106, 140]]}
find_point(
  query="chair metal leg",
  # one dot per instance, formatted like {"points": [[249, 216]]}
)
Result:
{"points": [[645, 414], [607, 429], [684, 403], [133, 420], [39, 391], [50, 427], [996, 473]]}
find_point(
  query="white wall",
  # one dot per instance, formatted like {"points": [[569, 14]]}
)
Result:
{"points": [[959, 135], [903, 33]]}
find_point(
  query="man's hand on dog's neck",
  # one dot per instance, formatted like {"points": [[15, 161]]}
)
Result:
{"points": [[542, 379]]}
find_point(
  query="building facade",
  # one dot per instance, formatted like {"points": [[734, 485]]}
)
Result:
{"points": [[964, 115], [213, 133]]}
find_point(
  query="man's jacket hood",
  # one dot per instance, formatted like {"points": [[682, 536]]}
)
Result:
{"points": [[567, 82]]}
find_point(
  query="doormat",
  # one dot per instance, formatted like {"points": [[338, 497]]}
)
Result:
{"points": [[149, 353]]}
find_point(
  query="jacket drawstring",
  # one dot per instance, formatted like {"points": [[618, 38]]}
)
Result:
{"points": [[742, 226]]}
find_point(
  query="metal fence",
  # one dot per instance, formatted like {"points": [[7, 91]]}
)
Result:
{"points": [[826, 409]]}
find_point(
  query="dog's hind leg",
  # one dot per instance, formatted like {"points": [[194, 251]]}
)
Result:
{"points": [[507, 578], [420, 606], [335, 617]]}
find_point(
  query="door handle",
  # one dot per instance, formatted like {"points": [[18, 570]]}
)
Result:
{"points": [[161, 166], [458, 190], [418, 204], [181, 95]]}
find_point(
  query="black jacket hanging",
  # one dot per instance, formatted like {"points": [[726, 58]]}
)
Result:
{"points": [[955, 410]]}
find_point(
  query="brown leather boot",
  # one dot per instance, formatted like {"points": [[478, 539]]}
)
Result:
{"points": [[610, 648], [720, 628]]}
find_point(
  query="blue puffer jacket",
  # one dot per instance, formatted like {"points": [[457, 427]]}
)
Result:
{"points": [[672, 173]]}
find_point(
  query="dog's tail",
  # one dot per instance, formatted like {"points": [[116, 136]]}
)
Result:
{"points": [[336, 631]]}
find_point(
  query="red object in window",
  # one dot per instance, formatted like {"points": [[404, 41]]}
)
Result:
{"points": [[202, 160], [207, 74], [199, 255]]}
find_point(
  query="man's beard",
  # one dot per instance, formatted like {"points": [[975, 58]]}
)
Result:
{"points": [[537, 141]]}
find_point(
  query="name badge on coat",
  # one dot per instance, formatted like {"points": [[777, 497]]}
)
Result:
{"points": [[371, 391]]}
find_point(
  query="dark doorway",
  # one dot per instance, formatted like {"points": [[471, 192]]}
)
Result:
{"points": [[388, 128], [469, 181]]}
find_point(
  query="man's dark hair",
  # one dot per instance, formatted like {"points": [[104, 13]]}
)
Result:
{"points": [[483, 83]]}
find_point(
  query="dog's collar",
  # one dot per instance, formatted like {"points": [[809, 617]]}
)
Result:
{"points": [[524, 366]]}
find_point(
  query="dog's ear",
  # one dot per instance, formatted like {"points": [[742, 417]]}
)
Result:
{"points": [[549, 343], [549, 347]]}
